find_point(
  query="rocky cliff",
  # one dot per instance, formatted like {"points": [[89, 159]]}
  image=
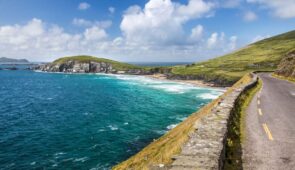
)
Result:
{"points": [[286, 67], [88, 64]]}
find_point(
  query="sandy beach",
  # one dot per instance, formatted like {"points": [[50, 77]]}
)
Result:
{"points": [[198, 83]]}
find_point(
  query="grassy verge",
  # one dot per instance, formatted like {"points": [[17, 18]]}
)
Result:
{"points": [[162, 150], [290, 79], [236, 134]]}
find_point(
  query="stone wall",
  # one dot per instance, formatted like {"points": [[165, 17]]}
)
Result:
{"points": [[206, 147]]}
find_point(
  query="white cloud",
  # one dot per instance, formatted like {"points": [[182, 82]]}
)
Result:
{"points": [[196, 33], [95, 33], [233, 42], [83, 6], [280, 8], [161, 21], [212, 40], [250, 16], [112, 10], [221, 43], [43, 42], [86, 23], [153, 33]]}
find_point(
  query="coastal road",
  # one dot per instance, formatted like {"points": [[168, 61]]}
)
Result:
{"points": [[270, 127]]}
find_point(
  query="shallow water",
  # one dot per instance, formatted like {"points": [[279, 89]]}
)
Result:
{"points": [[86, 121]]}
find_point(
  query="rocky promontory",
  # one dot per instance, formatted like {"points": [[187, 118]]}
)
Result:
{"points": [[89, 64]]}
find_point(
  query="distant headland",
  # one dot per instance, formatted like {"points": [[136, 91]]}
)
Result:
{"points": [[5, 60]]}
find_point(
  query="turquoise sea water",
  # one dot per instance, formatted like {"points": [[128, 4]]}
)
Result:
{"points": [[86, 121]]}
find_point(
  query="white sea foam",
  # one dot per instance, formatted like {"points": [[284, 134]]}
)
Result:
{"points": [[59, 153], [112, 127], [126, 123], [94, 146], [171, 126], [168, 86], [173, 87], [161, 132], [207, 96], [181, 118], [101, 130], [83, 159], [210, 95], [164, 85], [33, 163]]}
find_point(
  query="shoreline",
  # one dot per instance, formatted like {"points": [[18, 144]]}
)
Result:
{"points": [[198, 83]]}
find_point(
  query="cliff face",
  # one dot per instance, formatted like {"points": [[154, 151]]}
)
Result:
{"points": [[73, 66], [286, 67]]}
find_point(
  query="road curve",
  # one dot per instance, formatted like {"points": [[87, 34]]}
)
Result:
{"points": [[270, 127]]}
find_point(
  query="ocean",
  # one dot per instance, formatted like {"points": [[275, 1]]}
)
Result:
{"points": [[87, 121]]}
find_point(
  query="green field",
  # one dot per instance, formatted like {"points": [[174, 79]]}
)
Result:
{"points": [[262, 55]]}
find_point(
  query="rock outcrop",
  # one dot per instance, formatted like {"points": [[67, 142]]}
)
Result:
{"points": [[77, 67], [73, 66], [286, 67]]}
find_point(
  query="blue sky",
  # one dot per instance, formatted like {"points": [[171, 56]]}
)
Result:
{"points": [[138, 30]]}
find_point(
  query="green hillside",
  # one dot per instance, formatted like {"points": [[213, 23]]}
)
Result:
{"points": [[227, 69], [86, 59]]}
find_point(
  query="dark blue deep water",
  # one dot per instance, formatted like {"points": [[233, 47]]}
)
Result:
{"points": [[67, 121]]}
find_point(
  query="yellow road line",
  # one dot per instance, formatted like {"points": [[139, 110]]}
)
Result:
{"points": [[260, 112], [258, 102], [267, 131]]}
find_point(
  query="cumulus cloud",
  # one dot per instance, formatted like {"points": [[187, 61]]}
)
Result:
{"points": [[83, 6], [280, 8], [35, 40], [250, 16], [196, 33], [212, 40], [220, 42], [95, 33], [161, 21], [152, 33]]}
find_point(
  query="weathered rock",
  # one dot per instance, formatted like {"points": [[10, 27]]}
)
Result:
{"points": [[287, 65], [77, 67]]}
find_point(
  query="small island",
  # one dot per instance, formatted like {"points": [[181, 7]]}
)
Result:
{"points": [[5, 60]]}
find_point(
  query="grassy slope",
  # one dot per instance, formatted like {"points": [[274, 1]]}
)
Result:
{"points": [[262, 55], [82, 58], [161, 150]]}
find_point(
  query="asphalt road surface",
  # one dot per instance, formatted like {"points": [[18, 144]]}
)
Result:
{"points": [[270, 127]]}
